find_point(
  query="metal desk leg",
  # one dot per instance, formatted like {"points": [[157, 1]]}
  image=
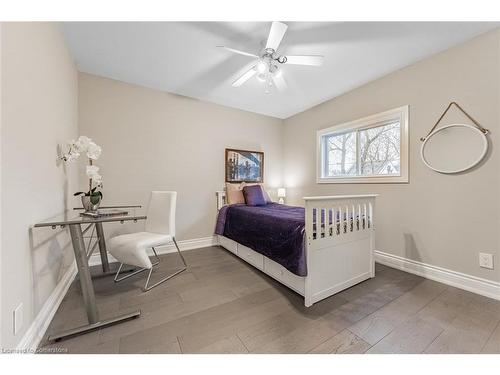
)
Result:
{"points": [[102, 248], [83, 272], [87, 291]]}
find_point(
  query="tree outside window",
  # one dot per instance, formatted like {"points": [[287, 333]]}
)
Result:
{"points": [[371, 147]]}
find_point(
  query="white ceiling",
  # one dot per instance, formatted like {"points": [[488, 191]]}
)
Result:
{"points": [[181, 57]]}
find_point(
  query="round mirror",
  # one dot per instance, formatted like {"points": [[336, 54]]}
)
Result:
{"points": [[454, 148]]}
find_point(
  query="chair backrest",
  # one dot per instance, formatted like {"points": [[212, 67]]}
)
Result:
{"points": [[161, 212]]}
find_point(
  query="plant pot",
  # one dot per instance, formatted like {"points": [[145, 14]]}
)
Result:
{"points": [[91, 202]]}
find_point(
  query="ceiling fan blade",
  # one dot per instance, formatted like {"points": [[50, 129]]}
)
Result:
{"points": [[314, 60], [238, 51], [245, 77], [276, 34], [279, 81]]}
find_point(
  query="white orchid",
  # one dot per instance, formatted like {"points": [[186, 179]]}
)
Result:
{"points": [[85, 145], [93, 151], [94, 176], [71, 156], [92, 171], [82, 144], [97, 181]]}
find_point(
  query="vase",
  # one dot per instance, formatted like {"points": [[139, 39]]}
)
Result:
{"points": [[91, 202]]}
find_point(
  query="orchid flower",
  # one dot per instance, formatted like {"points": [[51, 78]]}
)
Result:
{"points": [[85, 145]]}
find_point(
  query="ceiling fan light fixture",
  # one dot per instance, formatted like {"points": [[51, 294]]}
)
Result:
{"points": [[268, 63], [261, 66], [274, 70]]}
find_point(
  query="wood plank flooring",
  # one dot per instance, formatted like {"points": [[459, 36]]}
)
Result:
{"points": [[223, 305]]}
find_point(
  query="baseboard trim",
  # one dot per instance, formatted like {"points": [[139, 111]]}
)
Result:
{"points": [[184, 245], [470, 283], [31, 339]]}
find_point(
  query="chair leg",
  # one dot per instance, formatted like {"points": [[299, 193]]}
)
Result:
{"points": [[179, 251], [117, 280], [148, 287], [158, 260]]}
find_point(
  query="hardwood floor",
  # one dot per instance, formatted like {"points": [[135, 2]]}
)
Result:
{"points": [[222, 305]]}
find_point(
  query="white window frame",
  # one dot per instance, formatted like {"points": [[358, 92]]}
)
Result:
{"points": [[400, 113]]}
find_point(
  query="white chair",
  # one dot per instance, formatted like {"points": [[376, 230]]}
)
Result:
{"points": [[160, 230]]}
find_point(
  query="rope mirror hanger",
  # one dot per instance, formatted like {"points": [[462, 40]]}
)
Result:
{"points": [[462, 161]]}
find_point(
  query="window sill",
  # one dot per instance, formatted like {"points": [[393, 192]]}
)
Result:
{"points": [[364, 180]]}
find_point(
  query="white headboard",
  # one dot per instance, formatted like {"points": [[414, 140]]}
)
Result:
{"points": [[221, 199]]}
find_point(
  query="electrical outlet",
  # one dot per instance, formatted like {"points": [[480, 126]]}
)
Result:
{"points": [[17, 319], [486, 260]]}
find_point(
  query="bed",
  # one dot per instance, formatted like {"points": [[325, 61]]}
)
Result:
{"points": [[316, 250]]}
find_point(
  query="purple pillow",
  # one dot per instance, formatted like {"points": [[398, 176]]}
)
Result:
{"points": [[254, 196]]}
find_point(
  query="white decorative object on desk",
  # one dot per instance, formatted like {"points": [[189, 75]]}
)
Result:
{"points": [[281, 195], [84, 145]]}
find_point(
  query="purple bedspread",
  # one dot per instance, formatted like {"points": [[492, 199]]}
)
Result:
{"points": [[274, 230]]}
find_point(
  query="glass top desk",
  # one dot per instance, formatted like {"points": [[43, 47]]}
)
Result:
{"points": [[78, 225]]}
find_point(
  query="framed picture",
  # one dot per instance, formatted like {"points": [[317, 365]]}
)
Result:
{"points": [[244, 166]]}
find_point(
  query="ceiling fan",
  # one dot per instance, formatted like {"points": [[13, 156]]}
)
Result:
{"points": [[267, 66]]}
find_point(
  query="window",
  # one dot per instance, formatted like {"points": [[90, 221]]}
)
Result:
{"points": [[372, 149]]}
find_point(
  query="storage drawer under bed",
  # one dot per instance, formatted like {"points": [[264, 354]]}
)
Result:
{"points": [[251, 256], [268, 266], [228, 244], [284, 276]]}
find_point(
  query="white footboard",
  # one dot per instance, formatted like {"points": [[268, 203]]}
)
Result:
{"points": [[340, 239]]}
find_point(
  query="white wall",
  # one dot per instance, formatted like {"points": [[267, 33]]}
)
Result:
{"points": [[154, 140], [39, 112], [442, 220]]}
